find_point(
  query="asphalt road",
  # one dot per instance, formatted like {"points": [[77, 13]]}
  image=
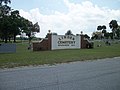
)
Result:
{"points": [[89, 75]]}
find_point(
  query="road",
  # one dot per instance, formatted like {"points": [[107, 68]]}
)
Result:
{"points": [[88, 75]]}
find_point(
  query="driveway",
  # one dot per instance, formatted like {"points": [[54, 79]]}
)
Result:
{"points": [[101, 74]]}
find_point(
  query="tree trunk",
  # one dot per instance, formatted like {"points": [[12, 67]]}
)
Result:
{"points": [[6, 39], [3, 39], [29, 40], [9, 39], [14, 38]]}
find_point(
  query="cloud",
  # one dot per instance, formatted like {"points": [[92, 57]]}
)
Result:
{"points": [[80, 17]]}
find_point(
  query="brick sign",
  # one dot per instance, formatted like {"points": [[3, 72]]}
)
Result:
{"points": [[65, 41]]}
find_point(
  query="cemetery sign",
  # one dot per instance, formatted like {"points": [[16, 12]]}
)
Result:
{"points": [[65, 41]]}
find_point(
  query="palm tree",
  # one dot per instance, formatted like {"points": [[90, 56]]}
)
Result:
{"points": [[99, 27], [103, 27], [99, 33], [104, 30], [118, 32], [113, 25]]}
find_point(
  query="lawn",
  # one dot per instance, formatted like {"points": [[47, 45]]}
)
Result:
{"points": [[24, 57]]}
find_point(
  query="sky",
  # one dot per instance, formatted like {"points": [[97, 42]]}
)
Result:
{"points": [[59, 16]]}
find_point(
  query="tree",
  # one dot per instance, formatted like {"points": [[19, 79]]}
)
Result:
{"points": [[29, 28], [118, 32], [4, 8], [36, 27], [5, 1], [99, 33], [99, 27], [113, 25], [32, 28], [4, 18], [94, 35], [104, 31], [12, 24], [68, 32], [10, 21], [15, 23], [5, 27]]}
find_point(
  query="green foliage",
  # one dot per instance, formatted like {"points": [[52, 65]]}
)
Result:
{"points": [[114, 25], [99, 27], [12, 24], [101, 33], [115, 34], [118, 32], [5, 2], [69, 32]]}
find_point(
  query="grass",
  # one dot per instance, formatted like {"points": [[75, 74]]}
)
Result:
{"points": [[24, 57]]}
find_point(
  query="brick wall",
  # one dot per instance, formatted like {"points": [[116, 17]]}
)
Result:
{"points": [[85, 43], [49, 41], [45, 44]]}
